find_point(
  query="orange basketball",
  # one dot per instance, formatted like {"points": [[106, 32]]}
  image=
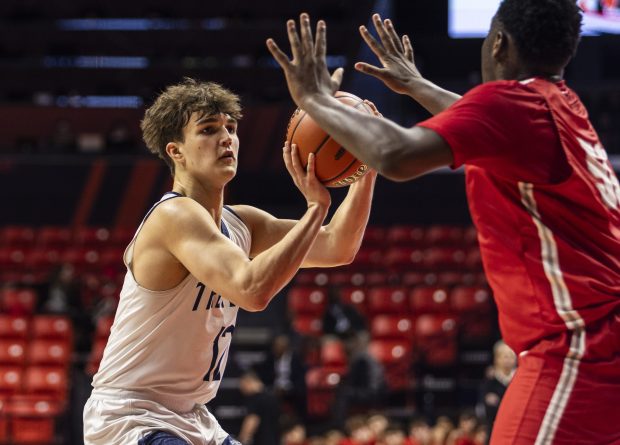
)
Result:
{"points": [[334, 165]]}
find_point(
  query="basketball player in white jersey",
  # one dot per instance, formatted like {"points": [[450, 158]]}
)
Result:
{"points": [[192, 263]]}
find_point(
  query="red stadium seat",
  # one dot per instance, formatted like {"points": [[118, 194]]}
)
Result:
{"points": [[376, 278], [398, 258], [470, 236], [12, 326], [52, 326], [59, 237], [11, 379], [49, 352], [413, 279], [17, 236], [18, 301], [356, 297], [122, 236], [392, 326], [373, 236], [322, 383], [81, 258], [308, 325], [4, 424], [43, 259], [12, 352], [32, 419], [92, 237], [475, 299], [405, 235], [440, 235], [383, 300], [473, 259], [430, 326], [307, 300], [367, 259], [112, 259], [396, 358], [13, 258], [333, 354], [46, 380], [427, 299], [444, 258]]}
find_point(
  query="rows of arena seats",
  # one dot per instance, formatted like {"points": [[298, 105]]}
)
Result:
{"points": [[422, 293], [35, 359]]}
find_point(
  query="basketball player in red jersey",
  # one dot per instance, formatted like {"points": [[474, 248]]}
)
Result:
{"points": [[541, 191]]}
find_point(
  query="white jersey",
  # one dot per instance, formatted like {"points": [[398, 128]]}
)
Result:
{"points": [[170, 346]]}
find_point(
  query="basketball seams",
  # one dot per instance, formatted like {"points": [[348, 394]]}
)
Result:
{"points": [[346, 99]]}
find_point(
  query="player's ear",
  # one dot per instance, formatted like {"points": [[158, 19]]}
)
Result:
{"points": [[499, 50], [174, 151]]}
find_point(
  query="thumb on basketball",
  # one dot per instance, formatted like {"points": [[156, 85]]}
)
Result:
{"points": [[337, 79]]}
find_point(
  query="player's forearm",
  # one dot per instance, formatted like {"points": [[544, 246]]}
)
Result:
{"points": [[272, 269], [373, 140], [345, 231], [432, 97]]}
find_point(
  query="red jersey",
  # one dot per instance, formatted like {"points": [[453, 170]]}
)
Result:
{"points": [[546, 203]]}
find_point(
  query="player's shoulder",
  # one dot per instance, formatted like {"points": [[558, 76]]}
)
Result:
{"points": [[181, 213], [504, 89]]}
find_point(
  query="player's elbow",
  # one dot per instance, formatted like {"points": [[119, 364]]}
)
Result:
{"points": [[256, 301], [395, 168]]}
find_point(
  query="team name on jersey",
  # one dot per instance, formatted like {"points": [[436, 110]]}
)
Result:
{"points": [[214, 301]]}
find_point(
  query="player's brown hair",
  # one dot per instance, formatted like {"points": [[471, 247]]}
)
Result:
{"points": [[164, 120]]}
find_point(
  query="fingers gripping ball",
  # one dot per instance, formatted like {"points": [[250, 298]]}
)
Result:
{"points": [[334, 165]]}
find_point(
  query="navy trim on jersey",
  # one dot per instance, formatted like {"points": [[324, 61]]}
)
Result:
{"points": [[224, 229], [176, 195], [233, 212]]}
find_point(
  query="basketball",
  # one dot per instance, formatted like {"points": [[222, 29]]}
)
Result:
{"points": [[334, 165]]}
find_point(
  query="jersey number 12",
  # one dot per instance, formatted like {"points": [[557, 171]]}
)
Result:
{"points": [[214, 372]]}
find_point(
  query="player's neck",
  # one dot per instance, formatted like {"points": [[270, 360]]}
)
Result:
{"points": [[211, 198]]}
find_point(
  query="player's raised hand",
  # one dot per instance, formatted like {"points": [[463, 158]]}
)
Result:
{"points": [[305, 178], [399, 72], [306, 74]]}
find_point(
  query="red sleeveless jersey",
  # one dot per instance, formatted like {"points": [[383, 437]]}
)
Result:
{"points": [[545, 201]]}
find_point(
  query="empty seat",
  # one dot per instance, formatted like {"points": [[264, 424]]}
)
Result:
{"points": [[49, 352], [392, 327], [356, 297], [52, 326], [32, 419], [54, 237], [11, 378], [367, 258], [93, 237], [444, 258], [46, 380], [471, 299], [14, 326], [307, 300], [333, 354], [13, 258], [429, 326], [473, 259], [322, 383], [425, 299], [12, 352], [82, 258], [112, 259], [396, 358], [441, 235], [17, 236], [43, 259], [373, 236], [405, 235], [122, 236], [308, 325], [18, 301], [387, 299], [399, 258]]}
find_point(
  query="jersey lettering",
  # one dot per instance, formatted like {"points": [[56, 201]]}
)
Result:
{"points": [[607, 182], [211, 303], [214, 372]]}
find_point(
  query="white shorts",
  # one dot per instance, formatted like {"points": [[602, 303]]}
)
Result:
{"points": [[126, 421]]}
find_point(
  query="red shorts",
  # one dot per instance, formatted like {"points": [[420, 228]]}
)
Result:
{"points": [[561, 399]]}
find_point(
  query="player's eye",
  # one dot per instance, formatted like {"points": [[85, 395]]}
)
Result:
{"points": [[209, 130], [232, 129]]}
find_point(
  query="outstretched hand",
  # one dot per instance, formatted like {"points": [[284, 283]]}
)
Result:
{"points": [[395, 54], [306, 74]]}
